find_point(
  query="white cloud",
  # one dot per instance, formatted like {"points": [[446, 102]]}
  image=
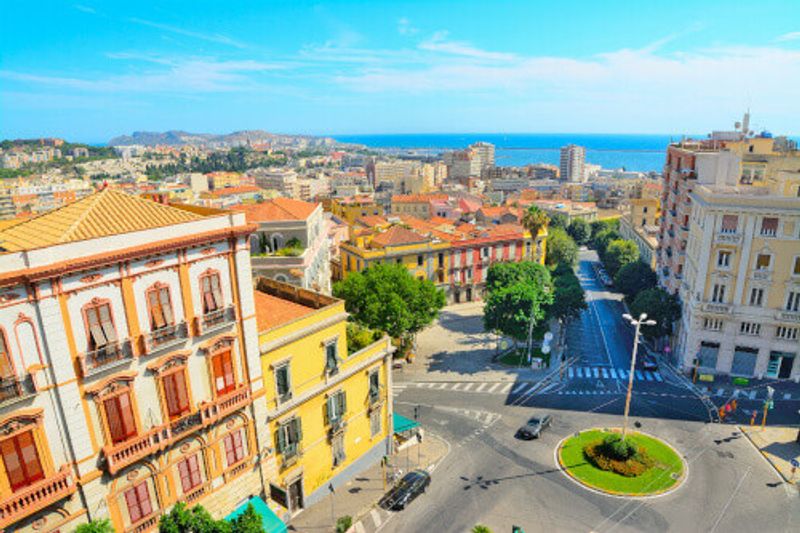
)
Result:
{"points": [[404, 27], [440, 43], [85, 9], [791, 36], [210, 37]]}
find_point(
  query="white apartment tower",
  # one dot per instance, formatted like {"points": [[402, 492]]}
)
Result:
{"points": [[573, 160]]}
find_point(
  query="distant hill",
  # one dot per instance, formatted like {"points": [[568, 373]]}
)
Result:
{"points": [[237, 138]]}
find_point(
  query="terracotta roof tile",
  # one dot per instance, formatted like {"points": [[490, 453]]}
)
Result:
{"points": [[398, 235], [277, 209], [417, 198], [272, 311]]}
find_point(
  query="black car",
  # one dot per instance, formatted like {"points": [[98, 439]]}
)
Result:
{"points": [[534, 427], [649, 363], [412, 485]]}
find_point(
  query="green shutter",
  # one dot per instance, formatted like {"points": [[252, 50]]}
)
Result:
{"points": [[298, 429], [280, 438], [326, 411], [342, 404]]}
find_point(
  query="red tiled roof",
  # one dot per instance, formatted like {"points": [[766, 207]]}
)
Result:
{"points": [[277, 209], [372, 221], [417, 198], [272, 311], [396, 236], [240, 189]]}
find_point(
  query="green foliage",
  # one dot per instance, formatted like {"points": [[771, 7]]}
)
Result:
{"points": [[616, 448], [98, 526], [561, 249], [236, 159], [622, 457], [601, 240], [515, 292], [181, 519], [343, 523], [294, 242], [11, 173], [359, 337], [619, 253], [288, 251], [633, 278], [660, 306], [480, 528], [569, 298], [580, 231], [247, 522], [534, 220], [559, 220], [599, 226], [389, 299]]}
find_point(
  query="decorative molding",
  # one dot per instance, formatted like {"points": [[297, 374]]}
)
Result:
{"points": [[91, 278], [112, 384], [153, 263], [9, 297], [185, 448], [21, 419], [217, 343], [133, 474], [208, 251], [168, 362]]}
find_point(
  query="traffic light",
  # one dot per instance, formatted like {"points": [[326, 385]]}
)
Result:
{"points": [[733, 405]]}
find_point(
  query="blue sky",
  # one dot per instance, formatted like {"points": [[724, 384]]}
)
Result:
{"points": [[91, 70]]}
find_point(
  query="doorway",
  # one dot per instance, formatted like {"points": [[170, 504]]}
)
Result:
{"points": [[296, 495], [469, 294], [780, 365]]}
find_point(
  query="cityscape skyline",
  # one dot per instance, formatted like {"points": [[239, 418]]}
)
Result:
{"points": [[343, 68]]}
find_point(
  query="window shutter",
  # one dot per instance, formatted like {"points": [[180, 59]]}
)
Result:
{"points": [[298, 430], [166, 306], [156, 316], [114, 420], [183, 393], [95, 330], [194, 470], [230, 453], [216, 291], [144, 499], [342, 397], [107, 323], [6, 368], [183, 472], [327, 411], [133, 505], [280, 439]]}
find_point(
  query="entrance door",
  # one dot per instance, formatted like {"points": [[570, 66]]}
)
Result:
{"points": [[786, 367], [469, 294], [296, 496], [458, 297]]}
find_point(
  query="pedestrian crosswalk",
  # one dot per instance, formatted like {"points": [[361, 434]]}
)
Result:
{"points": [[588, 372], [482, 387]]}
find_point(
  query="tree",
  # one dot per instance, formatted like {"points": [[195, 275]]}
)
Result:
{"points": [[181, 519], [659, 305], [599, 226], [98, 526], [559, 220], [633, 278], [247, 522], [480, 528], [601, 240], [389, 299], [580, 231], [569, 298], [515, 292], [534, 220], [561, 249], [619, 253]]}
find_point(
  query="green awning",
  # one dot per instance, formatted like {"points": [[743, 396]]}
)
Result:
{"points": [[403, 424], [270, 521]]}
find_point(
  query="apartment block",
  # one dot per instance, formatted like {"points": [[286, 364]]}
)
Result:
{"points": [[572, 163], [641, 225]]}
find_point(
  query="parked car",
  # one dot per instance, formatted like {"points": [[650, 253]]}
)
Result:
{"points": [[534, 427], [409, 487], [649, 363]]}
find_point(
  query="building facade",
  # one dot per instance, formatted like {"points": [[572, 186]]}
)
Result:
{"points": [[572, 162], [640, 225]]}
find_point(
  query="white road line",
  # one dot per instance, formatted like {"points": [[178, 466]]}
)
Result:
{"points": [[359, 527], [431, 385], [605, 373], [752, 394], [507, 388], [596, 372], [623, 374], [787, 396], [580, 372], [613, 373], [442, 386], [468, 386], [658, 377], [376, 517], [648, 376], [519, 388], [639, 375], [493, 387], [570, 372], [420, 385], [480, 387], [730, 500], [720, 392], [704, 389], [457, 386]]}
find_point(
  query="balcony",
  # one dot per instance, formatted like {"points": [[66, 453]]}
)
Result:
{"points": [[290, 454], [104, 358], [165, 337], [161, 437], [36, 497], [728, 238], [713, 307], [16, 388], [216, 319], [337, 425], [792, 316], [762, 275]]}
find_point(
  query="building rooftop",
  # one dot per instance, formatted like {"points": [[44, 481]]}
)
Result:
{"points": [[397, 236], [417, 198], [277, 209], [239, 189], [101, 214], [279, 303]]}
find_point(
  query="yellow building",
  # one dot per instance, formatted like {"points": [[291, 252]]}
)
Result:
{"points": [[640, 225], [350, 209], [329, 411]]}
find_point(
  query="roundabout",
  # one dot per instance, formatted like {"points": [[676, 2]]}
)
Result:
{"points": [[651, 468]]}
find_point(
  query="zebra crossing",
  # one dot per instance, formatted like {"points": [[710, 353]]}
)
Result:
{"points": [[589, 372], [480, 387]]}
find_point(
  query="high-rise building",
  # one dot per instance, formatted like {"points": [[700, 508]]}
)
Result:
{"points": [[729, 248], [573, 160], [485, 152]]}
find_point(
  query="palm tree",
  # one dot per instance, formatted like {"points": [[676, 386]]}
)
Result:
{"points": [[480, 528], [534, 220]]}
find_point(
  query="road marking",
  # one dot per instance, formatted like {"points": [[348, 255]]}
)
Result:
{"points": [[787, 396], [623, 373], [753, 394], [519, 388], [359, 527], [480, 387], [720, 392], [442, 386], [658, 377], [613, 373], [580, 391], [605, 373], [420, 385], [648, 376], [570, 372], [730, 500], [431, 385], [704, 389], [493, 387], [457, 386], [580, 372], [596, 372], [468, 386], [507, 388], [639, 375], [376, 518]]}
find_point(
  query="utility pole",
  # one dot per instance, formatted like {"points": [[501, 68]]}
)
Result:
{"points": [[642, 320], [767, 404]]}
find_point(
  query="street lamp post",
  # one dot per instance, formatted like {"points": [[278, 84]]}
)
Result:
{"points": [[641, 321]]}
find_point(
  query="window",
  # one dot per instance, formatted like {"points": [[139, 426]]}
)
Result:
{"points": [[756, 297], [374, 386], [375, 422], [763, 261], [337, 447], [160, 308], [119, 417], [331, 358], [750, 328], [729, 223], [335, 407], [283, 382], [419, 260], [787, 333], [138, 501], [234, 447], [21, 460], [101, 326], [222, 366], [712, 324], [399, 261], [718, 294], [724, 259], [176, 393], [189, 470], [796, 268], [441, 260], [212, 294], [289, 436], [6, 366], [769, 226], [793, 301], [485, 251]]}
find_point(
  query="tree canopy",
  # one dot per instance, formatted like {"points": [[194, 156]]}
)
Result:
{"points": [[599, 226], [182, 519], [389, 299], [515, 292], [601, 240], [659, 305], [633, 278], [569, 298], [580, 231], [619, 253], [559, 220], [561, 249], [97, 526], [534, 220]]}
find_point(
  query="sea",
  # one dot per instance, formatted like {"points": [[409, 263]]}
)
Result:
{"points": [[640, 153]]}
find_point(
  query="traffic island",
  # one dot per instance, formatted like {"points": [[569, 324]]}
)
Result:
{"points": [[640, 466]]}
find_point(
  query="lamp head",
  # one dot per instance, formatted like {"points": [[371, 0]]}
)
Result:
{"points": [[643, 316], [627, 317], [649, 323]]}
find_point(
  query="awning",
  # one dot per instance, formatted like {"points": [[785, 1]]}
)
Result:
{"points": [[270, 521], [403, 424]]}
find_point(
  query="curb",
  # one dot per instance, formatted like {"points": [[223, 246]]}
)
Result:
{"points": [[615, 494], [763, 455]]}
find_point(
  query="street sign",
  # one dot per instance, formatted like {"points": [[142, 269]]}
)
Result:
{"points": [[795, 463], [706, 377]]}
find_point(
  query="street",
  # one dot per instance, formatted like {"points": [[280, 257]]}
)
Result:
{"points": [[490, 477]]}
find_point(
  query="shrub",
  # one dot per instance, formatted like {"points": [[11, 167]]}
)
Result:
{"points": [[344, 523], [612, 454], [616, 448]]}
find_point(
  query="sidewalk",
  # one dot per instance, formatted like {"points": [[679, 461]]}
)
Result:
{"points": [[361, 494], [778, 445]]}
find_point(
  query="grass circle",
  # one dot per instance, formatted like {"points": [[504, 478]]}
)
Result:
{"points": [[666, 475]]}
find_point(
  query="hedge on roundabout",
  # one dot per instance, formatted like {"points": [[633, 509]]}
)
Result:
{"points": [[641, 465]]}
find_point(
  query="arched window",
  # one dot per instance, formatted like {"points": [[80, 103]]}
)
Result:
{"points": [[6, 364], [281, 277], [276, 241]]}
